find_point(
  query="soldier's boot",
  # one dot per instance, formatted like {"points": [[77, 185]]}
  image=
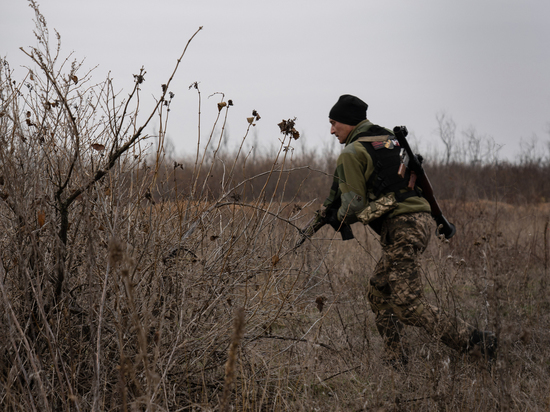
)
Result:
{"points": [[483, 344]]}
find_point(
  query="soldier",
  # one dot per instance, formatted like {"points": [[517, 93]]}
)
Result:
{"points": [[368, 188]]}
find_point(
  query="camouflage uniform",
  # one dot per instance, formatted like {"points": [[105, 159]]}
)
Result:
{"points": [[395, 289]]}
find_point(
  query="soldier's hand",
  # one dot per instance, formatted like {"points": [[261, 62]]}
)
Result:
{"points": [[314, 224]]}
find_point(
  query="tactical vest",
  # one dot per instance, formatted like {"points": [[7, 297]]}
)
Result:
{"points": [[386, 158]]}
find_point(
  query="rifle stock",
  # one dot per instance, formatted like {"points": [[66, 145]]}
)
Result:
{"points": [[444, 227]]}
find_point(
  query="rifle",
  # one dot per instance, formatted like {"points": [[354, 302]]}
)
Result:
{"points": [[320, 219], [418, 176]]}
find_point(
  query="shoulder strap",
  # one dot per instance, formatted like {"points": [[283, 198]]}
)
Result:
{"points": [[370, 139]]}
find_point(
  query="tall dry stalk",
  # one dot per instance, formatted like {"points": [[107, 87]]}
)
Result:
{"points": [[230, 365]]}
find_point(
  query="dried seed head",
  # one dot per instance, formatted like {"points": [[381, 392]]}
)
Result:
{"points": [[256, 115], [138, 78], [287, 128]]}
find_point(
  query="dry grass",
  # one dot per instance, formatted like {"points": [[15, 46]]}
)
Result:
{"points": [[129, 284]]}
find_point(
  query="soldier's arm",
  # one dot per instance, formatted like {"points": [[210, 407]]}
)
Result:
{"points": [[354, 167]]}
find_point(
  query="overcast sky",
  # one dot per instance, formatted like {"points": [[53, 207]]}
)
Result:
{"points": [[484, 62]]}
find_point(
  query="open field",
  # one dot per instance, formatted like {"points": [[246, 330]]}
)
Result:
{"points": [[145, 313]]}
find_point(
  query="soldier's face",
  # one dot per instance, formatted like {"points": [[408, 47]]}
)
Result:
{"points": [[340, 130]]}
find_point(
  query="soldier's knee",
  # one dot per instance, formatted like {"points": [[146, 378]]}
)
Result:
{"points": [[377, 299], [411, 314]]}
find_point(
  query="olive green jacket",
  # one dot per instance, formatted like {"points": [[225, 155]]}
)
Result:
{"points": [[353, 169]]}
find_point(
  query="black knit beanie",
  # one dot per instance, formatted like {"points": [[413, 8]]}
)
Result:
{"points": [[349, 110]]}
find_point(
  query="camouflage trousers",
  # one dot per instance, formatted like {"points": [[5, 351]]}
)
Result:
{"points": [[395, 289]]}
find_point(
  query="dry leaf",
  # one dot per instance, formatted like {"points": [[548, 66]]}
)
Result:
{"points": [[275, 259], [320, 301], [41, 218], [99, 147]]}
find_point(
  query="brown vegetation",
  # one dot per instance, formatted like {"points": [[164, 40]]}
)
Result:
{"points": [[127, 283]]}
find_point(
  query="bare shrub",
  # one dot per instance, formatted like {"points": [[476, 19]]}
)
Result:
{"points": [[117, 287]]}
